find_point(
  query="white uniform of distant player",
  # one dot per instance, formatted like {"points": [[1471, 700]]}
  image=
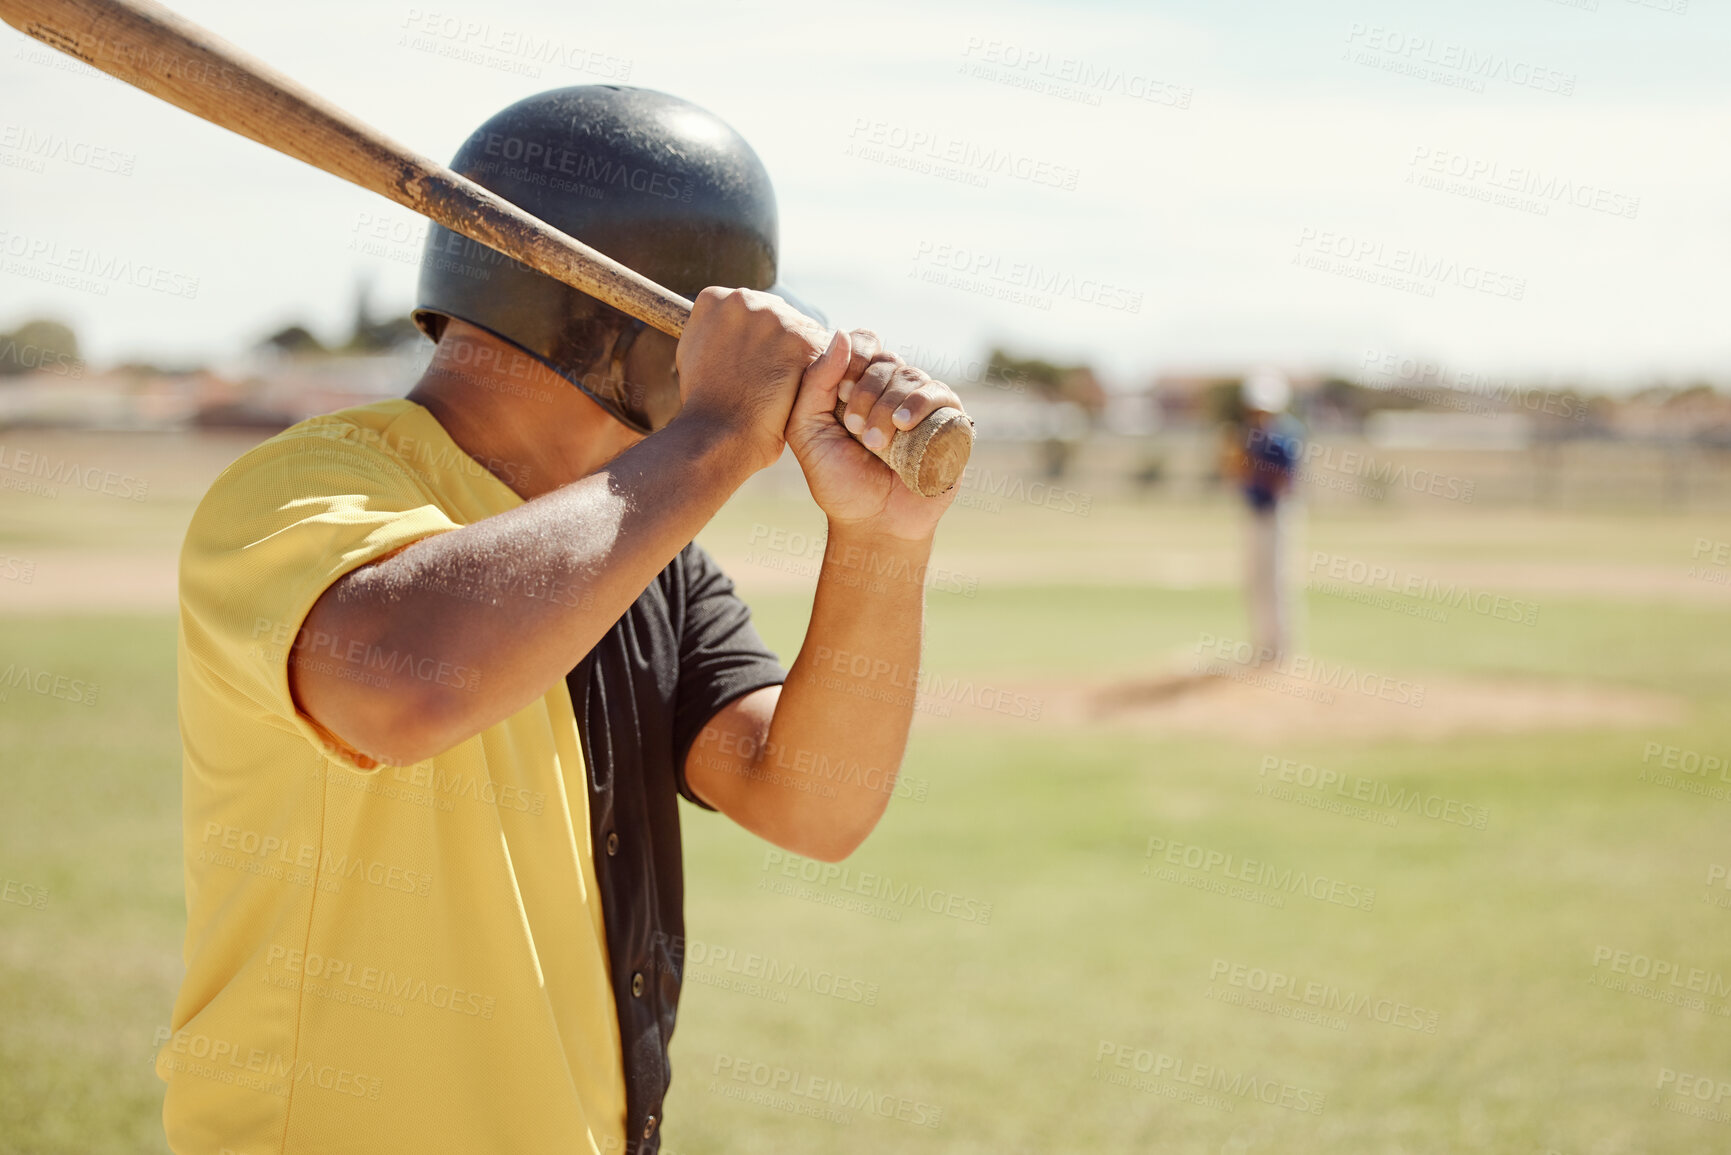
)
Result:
{"points": [[1265, 395]]}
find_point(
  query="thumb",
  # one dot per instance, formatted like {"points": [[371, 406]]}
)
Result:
{"points": [[818, 387]]}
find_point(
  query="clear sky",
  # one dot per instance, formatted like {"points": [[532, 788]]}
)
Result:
{"points": [[1524, 186]]}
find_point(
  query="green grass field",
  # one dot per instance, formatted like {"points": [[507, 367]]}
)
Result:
{"points": [[993, 1029]]}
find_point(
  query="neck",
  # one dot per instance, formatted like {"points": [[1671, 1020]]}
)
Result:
{"points": [[524, 423]]}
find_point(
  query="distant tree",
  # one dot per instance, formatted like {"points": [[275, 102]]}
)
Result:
{"points": [[1347, 396], [1699, 391], [378, 336], [1657, 393], [1346, 400], [371, 335], [1054, 382], [1036, 371], [40, 345], [295, 340]]}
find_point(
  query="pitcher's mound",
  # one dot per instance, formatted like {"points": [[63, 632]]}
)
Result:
{"points": [[1258, 705]]}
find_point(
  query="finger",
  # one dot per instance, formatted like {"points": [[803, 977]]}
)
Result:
{"points": [[864, 394], [866, 348], [922, 403], [879, 426]]}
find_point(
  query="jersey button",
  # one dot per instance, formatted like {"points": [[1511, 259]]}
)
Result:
{"points": [[649, 1126], [612, 843], [637, 984]]}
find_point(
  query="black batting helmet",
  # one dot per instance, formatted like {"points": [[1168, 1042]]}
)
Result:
{"points": [[653, 181]]}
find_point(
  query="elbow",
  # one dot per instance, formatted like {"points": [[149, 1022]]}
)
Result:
{"points": [[832, 834], [418, 726], [394, 728], [399, 748], [384, 685], [834, 845], [835, 853]]}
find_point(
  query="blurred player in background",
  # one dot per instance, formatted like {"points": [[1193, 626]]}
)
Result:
{"points": [[1263, 458]]}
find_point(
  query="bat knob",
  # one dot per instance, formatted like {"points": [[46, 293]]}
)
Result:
{"points": [[930, 457]]}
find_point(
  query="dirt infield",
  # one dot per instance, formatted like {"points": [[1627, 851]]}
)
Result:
{"points": [[94, 581], [1264, 706], [62, 581]]}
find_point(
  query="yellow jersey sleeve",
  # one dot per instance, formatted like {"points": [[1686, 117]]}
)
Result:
{"points": [[278, 527]]}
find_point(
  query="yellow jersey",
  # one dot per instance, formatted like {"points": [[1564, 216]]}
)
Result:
{"points": [[378, 958]]}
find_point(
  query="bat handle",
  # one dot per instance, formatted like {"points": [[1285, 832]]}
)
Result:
{"points": [[930, 457]]}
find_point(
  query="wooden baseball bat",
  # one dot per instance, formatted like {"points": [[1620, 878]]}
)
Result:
{"points": [[170, 57]]}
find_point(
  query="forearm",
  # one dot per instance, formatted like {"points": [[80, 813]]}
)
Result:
{"points": [[810, 765], [514, 600], [849, 698]]}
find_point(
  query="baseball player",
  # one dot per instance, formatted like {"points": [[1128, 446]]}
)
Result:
{"points": [[1266, 462], [448, 662]]}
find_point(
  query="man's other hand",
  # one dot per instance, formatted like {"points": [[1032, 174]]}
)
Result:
{"points": [[884, 395]]}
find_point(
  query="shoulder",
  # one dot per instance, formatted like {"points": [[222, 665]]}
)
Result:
{"points": [[678, 590], [361, 437], [694, 596], [337, 467], [695, 575]]}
